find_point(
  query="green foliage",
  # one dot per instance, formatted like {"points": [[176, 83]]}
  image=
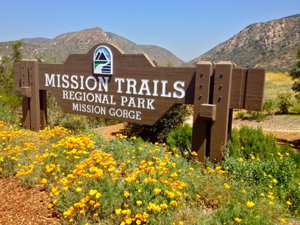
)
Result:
{"points": [[240, 114], [159, 131], [16, 46], [284, 102], [6, 66], [295, 75], [251, 141], [9, 107], [258, 116], [56, 116], [181, 138], [126, 180], [296, 107], [256, 161], [269, 106]]}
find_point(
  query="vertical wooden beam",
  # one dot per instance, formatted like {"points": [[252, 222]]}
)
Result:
{"points": [[237, 88], [221, 98], [43, 108], [35, 117], [204, 71], [17, 75], [254, 89], [25, 102]]}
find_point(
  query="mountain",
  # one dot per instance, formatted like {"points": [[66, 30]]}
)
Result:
{"points": [[58, 48], [271, 45]]}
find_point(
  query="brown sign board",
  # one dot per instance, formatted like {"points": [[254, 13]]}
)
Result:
{"points": [[109, 84]]}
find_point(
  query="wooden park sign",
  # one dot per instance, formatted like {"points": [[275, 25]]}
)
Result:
{"points": [[109, 84]]}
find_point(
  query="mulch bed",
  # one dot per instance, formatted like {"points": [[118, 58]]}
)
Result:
{"points": [[20, 205]]}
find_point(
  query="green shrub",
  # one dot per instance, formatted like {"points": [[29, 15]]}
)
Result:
{"points": [[10, 105], [284, 102], [258, 116], [255, 160], [181, 138], [295, 75], [276, 174], [269, 106], [56, 116], [241, 114], [159, 131], [247, 141], [296, 107]]}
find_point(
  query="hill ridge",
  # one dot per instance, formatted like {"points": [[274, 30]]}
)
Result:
{"points": [[271, 45], [57, 49]]}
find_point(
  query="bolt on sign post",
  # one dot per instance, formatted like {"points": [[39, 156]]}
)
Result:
{"points": [[109, 84]]}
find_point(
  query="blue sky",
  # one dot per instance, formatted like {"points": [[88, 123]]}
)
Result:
{"points": [[186, 28]]}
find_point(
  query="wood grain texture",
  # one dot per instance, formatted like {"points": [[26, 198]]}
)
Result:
{"points": [[24, 82], [221, 98], [204, 71], [17, 75], [254, 90], [33, 73], [237, 88], [127, 66], [43, 108]]}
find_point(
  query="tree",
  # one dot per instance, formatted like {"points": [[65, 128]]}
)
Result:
{"points": [[6, 67], [16, 46], [295, 74]]}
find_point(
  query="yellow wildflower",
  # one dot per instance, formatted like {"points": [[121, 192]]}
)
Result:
{"points": [[173, 203], [238, 220], [227, 186], [282, 220], [44, 181], [79, 189], [250, 204], [193, 153], [92, 192], [126, 194], [157, 191], [118, 211]]}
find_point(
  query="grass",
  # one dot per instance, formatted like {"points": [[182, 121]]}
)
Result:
{"points": [[277, 82], [129, 181]]}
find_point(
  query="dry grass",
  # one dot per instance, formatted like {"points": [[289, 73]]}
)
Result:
{"points": [[277, 83]]}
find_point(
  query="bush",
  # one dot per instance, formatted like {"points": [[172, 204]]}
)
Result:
{"points": [[251, 141], [258, 116], [9, 105], [284, 102], [56, 116], [240, 114], [159, 132], [255, 160], [295, 75], [269, 106], [181, 138]]}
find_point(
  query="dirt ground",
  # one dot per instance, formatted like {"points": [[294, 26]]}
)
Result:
{"points": [[22, 206]]}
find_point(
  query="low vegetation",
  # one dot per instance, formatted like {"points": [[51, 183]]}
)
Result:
{"points": [[129, 181]]}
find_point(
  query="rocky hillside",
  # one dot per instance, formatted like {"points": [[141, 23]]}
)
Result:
{"points": [[58, 48], [271, 45]]}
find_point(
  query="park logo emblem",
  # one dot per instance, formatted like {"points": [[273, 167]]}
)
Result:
{"points": [[103, 60]]}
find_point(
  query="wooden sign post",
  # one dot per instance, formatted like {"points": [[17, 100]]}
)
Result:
{"points": [[109, 84]]}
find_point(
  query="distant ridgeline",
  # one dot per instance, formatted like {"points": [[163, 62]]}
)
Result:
{"points": [[271, 45]]}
